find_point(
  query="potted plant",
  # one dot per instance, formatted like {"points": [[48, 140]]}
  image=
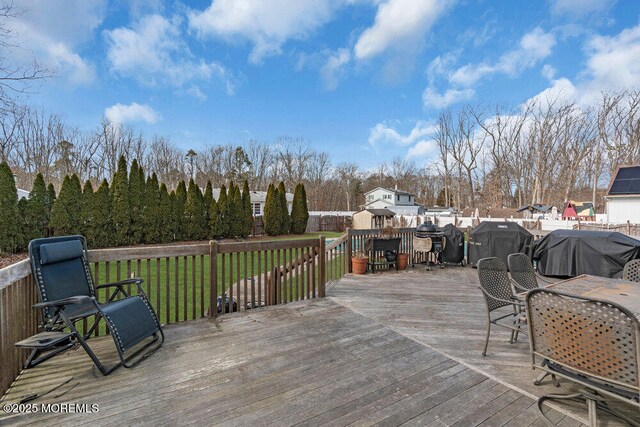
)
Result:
{"points": [[359, 261], [403, 260]]}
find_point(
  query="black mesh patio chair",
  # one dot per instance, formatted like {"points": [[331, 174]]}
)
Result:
{"points": [[593, 343], [522, 272], [631, 271], [68, 295], [498, 293]]}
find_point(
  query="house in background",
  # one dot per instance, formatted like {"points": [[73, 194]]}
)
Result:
{"points": [[623, 196], [537, 211], [579, 210], [258, 200], [23, 194], [398, 201], [440, 211], [372, 218]]}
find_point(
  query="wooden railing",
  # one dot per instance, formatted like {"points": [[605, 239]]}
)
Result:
{"points": [[255, 274], [337, 261], [356, 242], [181, 282]]}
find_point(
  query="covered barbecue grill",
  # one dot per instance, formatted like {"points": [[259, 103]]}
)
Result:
{"points": [[429, 239], [576, 252], [498, 239], [453, 252]]}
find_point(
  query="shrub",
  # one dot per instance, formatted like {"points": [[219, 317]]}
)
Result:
{"points": [[299, 210], [100, 234], [37, 212], [120, 202], [285, 218]]}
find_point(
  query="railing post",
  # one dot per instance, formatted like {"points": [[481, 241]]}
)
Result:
{"points": [[213, 279], [349, 250], [322, 259]]}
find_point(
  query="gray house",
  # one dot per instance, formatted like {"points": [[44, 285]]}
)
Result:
{"points": [[398, 201]]}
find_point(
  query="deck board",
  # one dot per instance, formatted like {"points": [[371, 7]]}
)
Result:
{"points": [[367, 355], [444, 309]]}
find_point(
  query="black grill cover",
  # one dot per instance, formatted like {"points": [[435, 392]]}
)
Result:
{"points": [[454, 248], [575, 252], [499, 239]]}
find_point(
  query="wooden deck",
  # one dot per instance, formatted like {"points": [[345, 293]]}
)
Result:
{"points": [[385, 349]]}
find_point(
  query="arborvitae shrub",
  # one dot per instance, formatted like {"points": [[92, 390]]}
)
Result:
{"points": [[178, 211], [120, 204], [285, 218], [299, 210], [223, 213], [165, 215], [37, 213], [195, 214], [272, 217], [247, 211], [151, 219], [86, 213], [136, 202], [101, 233]]}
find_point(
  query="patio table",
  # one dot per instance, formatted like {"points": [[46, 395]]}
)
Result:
{"points": [[623, 292]]}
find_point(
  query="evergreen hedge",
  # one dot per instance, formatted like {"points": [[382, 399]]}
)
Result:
{"points": [[133, 210]]}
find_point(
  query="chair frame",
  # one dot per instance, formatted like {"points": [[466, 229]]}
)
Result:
{"points": [[512, 262], [595, 388], [56, 320], [631, 271], [517, 317]]}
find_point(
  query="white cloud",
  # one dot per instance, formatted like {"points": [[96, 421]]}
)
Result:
{"points": [[267, 24], [561, 90], [153, 52], [399, 25], [422, 149], [533, 47], [381, 133], [440, 65], [579, 8], [134, 112], [548, 72], [332, 70], [612, 65], [432, 99], [45, 29]]}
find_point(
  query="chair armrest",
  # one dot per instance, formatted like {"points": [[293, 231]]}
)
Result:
{"points": [[543, 279], [511, 301], [81, 299], [120, 283], [517, 286]]}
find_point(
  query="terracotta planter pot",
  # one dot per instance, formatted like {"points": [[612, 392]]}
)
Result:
{"points": [[403, 261], [359, 265]]}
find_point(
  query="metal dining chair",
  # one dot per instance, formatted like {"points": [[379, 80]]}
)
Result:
{"points": [[522, 272], [498, 293], [593, 343], [631, 270]]}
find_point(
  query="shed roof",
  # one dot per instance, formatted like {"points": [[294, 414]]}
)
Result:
{"points": [[379, 212]]}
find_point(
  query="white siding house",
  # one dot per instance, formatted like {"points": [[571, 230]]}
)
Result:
{"points": [[623, 196], [258, 199], [398, 201]]}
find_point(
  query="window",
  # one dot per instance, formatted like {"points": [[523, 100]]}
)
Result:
{"points": [[256, 209], [398, 196], [386, 196]]}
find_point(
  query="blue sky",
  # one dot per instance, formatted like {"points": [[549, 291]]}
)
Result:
{"points": [[361, 79]]}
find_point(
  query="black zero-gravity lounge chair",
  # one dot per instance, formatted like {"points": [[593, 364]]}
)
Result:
{"points": [[67, 295]]}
